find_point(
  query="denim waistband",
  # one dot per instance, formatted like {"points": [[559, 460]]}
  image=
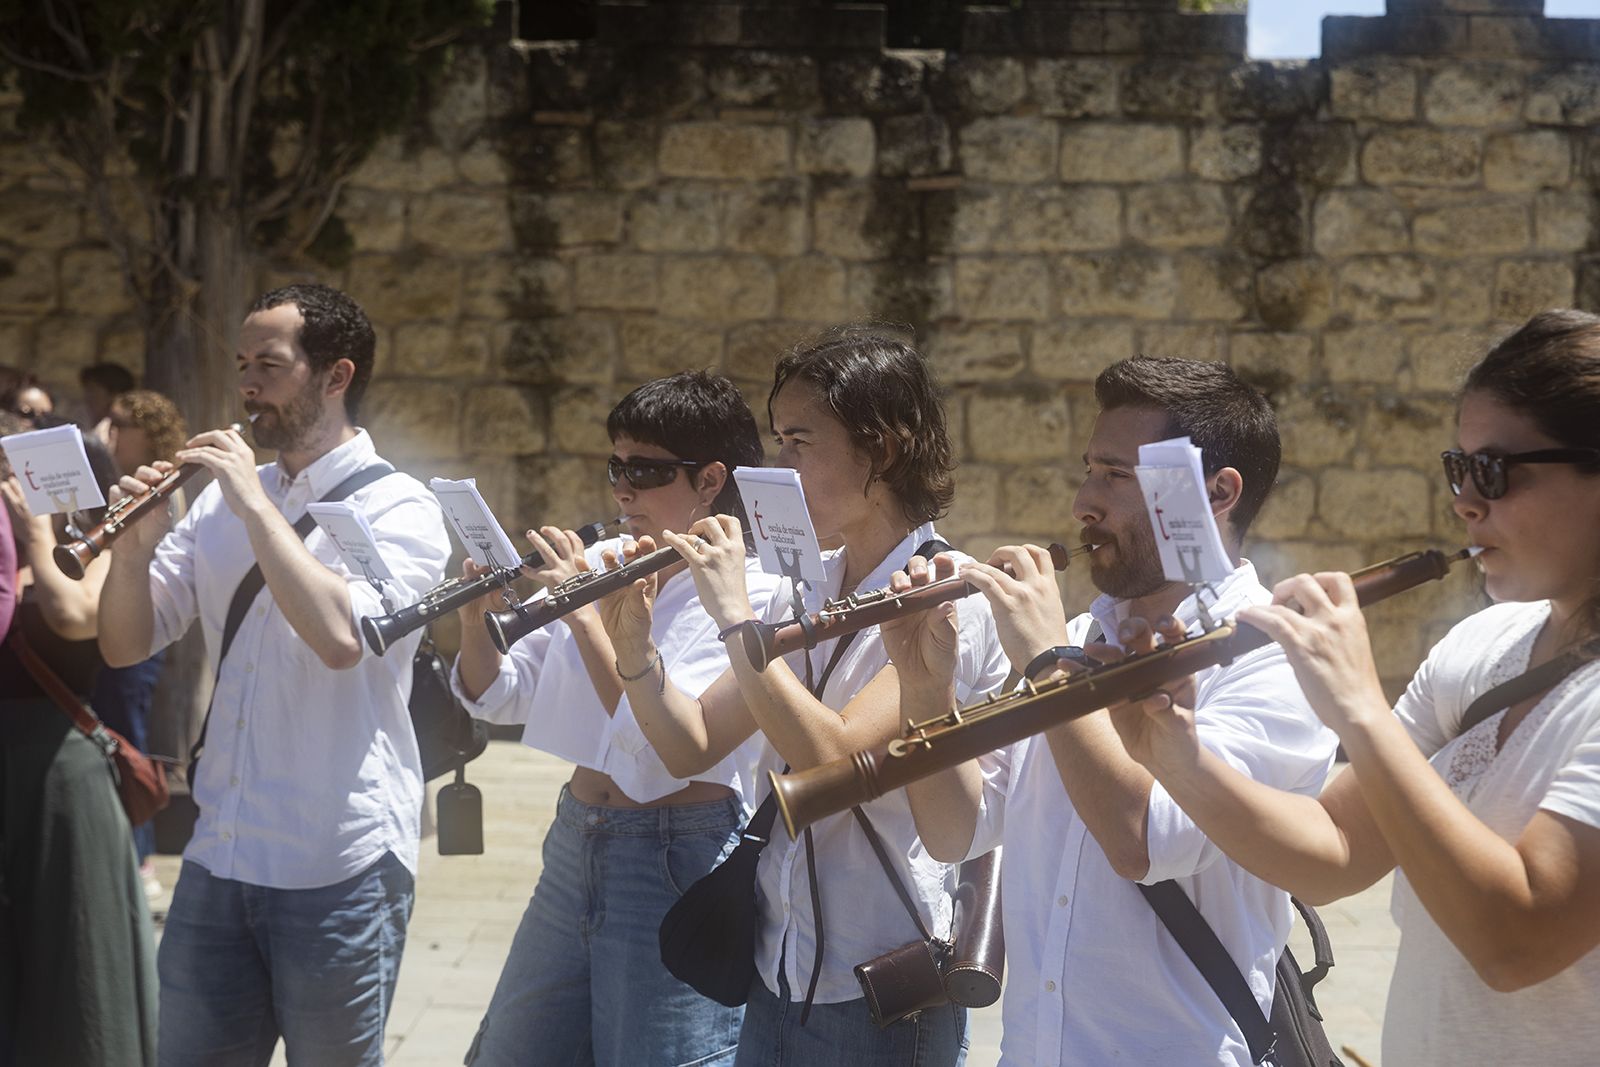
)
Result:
{"points": [[725, 814]]}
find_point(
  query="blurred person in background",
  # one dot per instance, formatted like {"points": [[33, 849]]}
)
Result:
{"points": [[21, 394], [102, 383], [143, 427], [77, 953]]}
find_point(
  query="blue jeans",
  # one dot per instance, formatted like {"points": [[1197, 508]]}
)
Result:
{"points": [[241, 964], [845, 1034], [583, 982]]}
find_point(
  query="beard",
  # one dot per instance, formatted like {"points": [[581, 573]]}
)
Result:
{"points": [[290, 425], [1136, 569]]}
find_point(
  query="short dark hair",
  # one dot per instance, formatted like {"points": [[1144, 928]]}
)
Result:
{"points": [[114, 378], [880, 388], [695, 415], [335, 328], [1231, 423]]}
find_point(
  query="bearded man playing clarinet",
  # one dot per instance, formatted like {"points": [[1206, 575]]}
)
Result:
{"points": [[1095, 978], [289, 916]]}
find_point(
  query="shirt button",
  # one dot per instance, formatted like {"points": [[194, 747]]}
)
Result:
{"points": [[1049, 987], [262, 610], [1062, 900], [249, 668], [227, 836], [234, 780], [241, 722]]}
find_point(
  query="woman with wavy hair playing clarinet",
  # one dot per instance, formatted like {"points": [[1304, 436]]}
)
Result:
{"points": [[859, 417], [1486, 796]]}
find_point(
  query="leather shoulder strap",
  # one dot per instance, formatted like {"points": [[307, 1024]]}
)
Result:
{"points": [[1200, 943], [62, 696], [1527, 684], [253, 581]]}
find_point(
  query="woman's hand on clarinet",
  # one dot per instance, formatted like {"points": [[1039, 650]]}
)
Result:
{"points": [[924, 645], [626, 614], [1158, 731], [471, 613], [144, 535], [714, 550], [1318, 621]]}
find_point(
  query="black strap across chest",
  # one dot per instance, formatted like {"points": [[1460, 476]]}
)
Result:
{"points": [[253, 582], [1527, 684]]}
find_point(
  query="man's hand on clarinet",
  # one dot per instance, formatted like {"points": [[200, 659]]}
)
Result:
{"points": [[225, 454]]}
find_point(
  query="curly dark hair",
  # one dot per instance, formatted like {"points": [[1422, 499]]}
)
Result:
{"points": [[157, 416], [335, 328], [880, 388]]}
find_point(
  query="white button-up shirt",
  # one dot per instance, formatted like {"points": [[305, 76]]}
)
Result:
{"points": [[542, 682], [309, 774], [1093, 977], [862, 915]]}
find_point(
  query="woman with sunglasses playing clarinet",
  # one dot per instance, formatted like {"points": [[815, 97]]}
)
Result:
{"points": [[859, 417], [1483, 784], [583, 982]]}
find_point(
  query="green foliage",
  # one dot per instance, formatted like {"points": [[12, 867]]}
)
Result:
{"points": [[167, 80]]}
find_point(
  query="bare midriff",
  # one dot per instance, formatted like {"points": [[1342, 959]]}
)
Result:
{"points": [[600, 790]]}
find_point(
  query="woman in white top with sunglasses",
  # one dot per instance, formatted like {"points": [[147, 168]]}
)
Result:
{"points": [[1495, 828], [583, 981]]}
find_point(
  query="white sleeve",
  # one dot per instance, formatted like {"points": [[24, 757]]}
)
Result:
{"points": [[173, 601]]}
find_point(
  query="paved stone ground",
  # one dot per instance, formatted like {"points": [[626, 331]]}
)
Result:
{"points": [[468, 908]]}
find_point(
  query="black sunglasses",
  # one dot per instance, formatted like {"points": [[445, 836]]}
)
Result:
{"points": [[1488, 469], [647, 473]]}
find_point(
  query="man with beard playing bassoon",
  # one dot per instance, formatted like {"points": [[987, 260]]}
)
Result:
{"points": [[1094, 977], [289, 916]]}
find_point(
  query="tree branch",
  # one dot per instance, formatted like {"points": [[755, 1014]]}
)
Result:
{"points": [[43, 67]]}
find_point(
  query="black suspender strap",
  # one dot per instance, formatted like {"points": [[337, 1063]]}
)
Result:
{"points": [[1200, 943], [1527, 684], [251, 585]]}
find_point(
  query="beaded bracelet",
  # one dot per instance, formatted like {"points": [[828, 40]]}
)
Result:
{"points": [[648, 667]]}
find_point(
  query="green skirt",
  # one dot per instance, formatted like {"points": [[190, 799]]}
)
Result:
{"points": [[77, 952]]}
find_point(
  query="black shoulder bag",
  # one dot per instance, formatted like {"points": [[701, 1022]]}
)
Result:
{"points": [[708, 936], [1293, 1035], [447, 736]]}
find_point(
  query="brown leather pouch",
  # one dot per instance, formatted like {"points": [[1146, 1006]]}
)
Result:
{"points": [[902, 982], [978, 960]]}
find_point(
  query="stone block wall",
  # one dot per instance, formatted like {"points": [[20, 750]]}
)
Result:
{"points": [[705, 184]]}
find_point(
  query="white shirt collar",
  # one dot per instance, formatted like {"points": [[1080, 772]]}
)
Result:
{"points": [[1232, 593], [321, 474]]}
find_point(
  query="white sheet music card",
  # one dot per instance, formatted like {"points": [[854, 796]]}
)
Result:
{"points": [[785, 540], [348, 530], [53, 470], [475, 525], [1174, 486]]}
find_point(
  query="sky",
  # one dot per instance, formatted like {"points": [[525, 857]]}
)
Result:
{"points": [[1292, 29]]}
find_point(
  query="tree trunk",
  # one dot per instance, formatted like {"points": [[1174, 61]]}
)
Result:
{"points": [[189, 357], [191, 338]]}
